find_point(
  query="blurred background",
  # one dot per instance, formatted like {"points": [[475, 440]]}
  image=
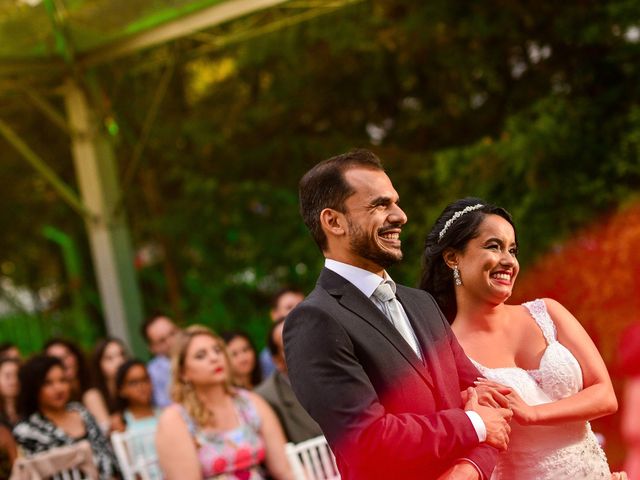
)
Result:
{"points": [[534, 106]]}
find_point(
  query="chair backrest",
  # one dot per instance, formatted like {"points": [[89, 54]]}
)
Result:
{"points": [[72, 462], [136, 454], [312, 460]]}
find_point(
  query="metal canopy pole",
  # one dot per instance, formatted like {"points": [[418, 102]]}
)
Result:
{"points": [[109, 238]]}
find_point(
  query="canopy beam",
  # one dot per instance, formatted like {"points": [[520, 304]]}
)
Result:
{"points": [[109, 238], [48, 110], [64, 190], [205, 18]]}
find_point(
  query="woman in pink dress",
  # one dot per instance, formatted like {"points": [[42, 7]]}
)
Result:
{"points": [[215, 430]]}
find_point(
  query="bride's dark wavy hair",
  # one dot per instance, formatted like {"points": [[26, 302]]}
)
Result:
{"points": [[437, 277]]}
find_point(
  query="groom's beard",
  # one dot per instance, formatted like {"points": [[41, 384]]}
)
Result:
{"points": [[366, 247]]}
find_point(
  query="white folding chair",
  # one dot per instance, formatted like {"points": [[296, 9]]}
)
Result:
{"points": [[312, 460], [72, 462], [136, 454]]}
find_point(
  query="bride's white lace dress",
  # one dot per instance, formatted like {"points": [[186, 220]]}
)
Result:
{"points": [[566, 451]]}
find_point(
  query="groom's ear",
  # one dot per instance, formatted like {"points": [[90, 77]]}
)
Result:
{"points": [[333, 222], [450, 257]]}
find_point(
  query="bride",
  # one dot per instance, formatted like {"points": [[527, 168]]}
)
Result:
{"points": [[557, 379]]}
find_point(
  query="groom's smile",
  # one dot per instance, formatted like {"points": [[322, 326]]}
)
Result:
{"points": [[374, 218]]}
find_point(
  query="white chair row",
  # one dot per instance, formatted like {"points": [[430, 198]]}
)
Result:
{"points": [[136, 454], [73, 462], [312, 460]]}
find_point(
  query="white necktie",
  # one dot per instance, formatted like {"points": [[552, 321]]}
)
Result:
{"points": [[386, 295]]}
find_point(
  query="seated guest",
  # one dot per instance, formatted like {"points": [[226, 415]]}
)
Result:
{"points": [[107, 357], [51, 421], [9, 350], [134, 400], [9, 387], [276, 390], [136, 410], [243, 358], [214, 429], [75, 365], [159, 332], [77, 373], [285, 300]]}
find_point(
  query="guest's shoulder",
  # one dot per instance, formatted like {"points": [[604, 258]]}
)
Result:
{"points": [[77, 407], [266, 388], [22, 428], [91, 394], [158, 362], [174, 413], [31, 427]]}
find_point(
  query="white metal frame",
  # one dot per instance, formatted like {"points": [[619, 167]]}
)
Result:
{"points": [[145, 466], [312, 460]]}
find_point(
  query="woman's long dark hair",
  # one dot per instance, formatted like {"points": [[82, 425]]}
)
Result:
{"points": [[4, 417], [32, 376], [84, 379], [437, 277], [99, 380], [256, 373]]}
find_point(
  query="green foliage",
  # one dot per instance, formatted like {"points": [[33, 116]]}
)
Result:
{"points": [[531, 105]]}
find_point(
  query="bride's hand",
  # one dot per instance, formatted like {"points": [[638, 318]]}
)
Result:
{"points": [[491, 396], [523, 413], [619, 476]]}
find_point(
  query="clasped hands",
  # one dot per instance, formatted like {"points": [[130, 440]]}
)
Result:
{"points": [[493, 402], [497, 405]]}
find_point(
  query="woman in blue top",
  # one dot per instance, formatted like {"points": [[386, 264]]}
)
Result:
{"points": [[134, 396]]}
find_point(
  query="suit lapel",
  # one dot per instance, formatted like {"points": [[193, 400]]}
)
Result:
{"points": [[421, 327], [430, 348], [355, 301]]}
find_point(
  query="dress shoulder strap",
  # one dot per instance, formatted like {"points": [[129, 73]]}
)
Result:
{"points": [[246, 409], [538, 311], [191, 424]]}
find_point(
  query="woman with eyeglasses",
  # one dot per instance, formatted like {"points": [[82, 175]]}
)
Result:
{"points": [[133, 400]]}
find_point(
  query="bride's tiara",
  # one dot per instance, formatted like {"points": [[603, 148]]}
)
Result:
{"points": [[456, 216]]}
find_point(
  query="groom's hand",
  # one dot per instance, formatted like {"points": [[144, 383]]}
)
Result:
{"points": [[496, 421]]}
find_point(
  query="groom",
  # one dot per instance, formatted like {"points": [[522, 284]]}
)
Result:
{"points": [[375, 363]]}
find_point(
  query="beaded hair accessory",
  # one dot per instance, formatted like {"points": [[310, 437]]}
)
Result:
{"points": [[456, 216]]}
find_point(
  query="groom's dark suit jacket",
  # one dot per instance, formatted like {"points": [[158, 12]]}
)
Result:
{"points": [[386, 413]]}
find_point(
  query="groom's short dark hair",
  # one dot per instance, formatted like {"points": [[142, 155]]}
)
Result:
{"points": [[324, 186]]}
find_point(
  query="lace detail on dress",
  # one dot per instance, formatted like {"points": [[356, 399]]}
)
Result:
{"points": [[538, 311], [559, 452], [559, 373], [583, 460]]}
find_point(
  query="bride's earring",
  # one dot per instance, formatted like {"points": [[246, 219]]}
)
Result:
{"points": [[456, 276]]}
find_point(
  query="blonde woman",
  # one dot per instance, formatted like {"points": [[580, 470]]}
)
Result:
{"points": [[214, 429]]}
